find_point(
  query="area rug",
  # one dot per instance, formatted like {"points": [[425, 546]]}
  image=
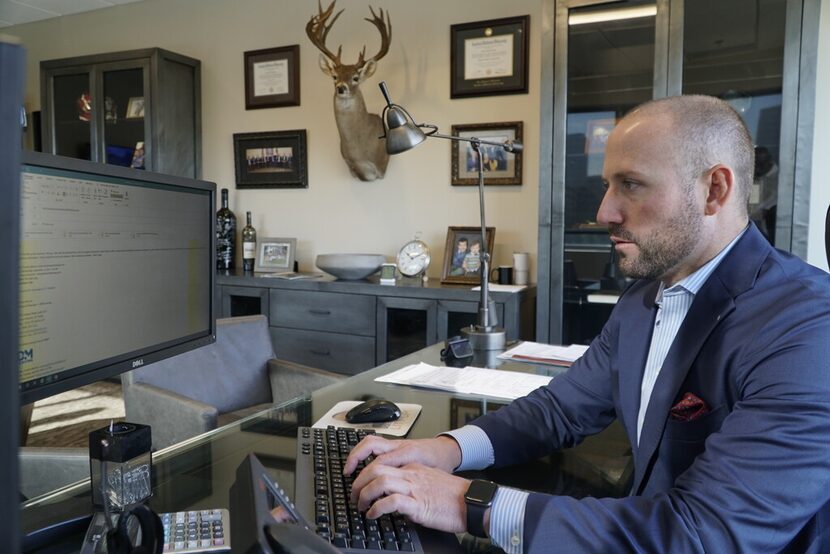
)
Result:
{"points": [[65, 420]]}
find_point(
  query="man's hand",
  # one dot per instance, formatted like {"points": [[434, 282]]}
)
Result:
{"points": [[441, 452], [429, 496]]}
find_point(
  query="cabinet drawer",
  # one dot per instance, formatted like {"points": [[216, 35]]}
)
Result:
{"points": [[347, 354], [323, 311]]}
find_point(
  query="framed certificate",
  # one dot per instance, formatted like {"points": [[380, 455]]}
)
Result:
{"points": [[489, 57], [272, 77]]}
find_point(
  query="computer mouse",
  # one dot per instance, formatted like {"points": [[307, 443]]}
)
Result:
{"points": [[373, 411]]}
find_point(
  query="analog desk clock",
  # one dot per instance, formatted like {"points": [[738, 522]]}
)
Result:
{"points": [[413, 258]]}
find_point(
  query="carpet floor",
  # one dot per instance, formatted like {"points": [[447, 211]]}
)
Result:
{"points": [[65, 420]]}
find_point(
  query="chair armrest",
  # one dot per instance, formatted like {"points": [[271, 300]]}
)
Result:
{"points": [[172, 416], [44, 469], [290, 380]]}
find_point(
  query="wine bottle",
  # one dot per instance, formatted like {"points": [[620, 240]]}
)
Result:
{"points": [[225, 235], [248, 245]]}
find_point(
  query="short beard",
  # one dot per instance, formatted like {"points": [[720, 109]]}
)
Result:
{"points": [[663, 251]]}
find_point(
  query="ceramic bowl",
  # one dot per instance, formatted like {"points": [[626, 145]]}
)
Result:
{"points": [[350, 266]]}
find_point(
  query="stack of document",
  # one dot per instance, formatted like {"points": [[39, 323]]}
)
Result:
{"points": [[544, 353], [478, 381]]}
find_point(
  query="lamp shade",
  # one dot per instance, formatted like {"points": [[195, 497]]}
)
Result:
{"points": [[401, 133]]}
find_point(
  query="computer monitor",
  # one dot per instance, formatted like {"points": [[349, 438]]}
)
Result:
{"points": [[116, 271]]}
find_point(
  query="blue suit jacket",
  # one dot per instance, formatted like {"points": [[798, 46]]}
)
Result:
{"points": [[753, 475]]}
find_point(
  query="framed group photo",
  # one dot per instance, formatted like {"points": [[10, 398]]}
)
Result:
{"points": [[272, 159], [463, 254], [275, 254], [272, 77], [489, 57], [500, 167]]}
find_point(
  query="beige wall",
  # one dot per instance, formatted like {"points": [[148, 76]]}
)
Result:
{"points": [[337, 213]]}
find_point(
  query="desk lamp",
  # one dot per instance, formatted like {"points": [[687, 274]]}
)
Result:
{"points": [[401, 134]]}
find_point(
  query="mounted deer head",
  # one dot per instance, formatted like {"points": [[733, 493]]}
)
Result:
{"points": [[364, 152]]}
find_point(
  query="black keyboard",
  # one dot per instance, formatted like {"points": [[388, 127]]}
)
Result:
{"points": [[321, 495]]}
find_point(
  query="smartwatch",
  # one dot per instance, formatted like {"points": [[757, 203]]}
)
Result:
{"points": [[478, 498]]}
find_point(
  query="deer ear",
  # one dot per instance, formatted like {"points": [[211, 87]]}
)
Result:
{"points": [[368, 69], [326, 66]]}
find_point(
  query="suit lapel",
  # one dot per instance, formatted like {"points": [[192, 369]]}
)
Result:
{"points": [[635, 336], [712, 303]]}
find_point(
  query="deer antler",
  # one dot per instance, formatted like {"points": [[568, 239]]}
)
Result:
{"points": [[317, 30], [385, 29]]}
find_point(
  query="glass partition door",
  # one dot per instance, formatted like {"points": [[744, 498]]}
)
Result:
{"points": [[603, 57]]}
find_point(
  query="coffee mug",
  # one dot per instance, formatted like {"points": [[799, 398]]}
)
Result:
{"points": [[503, 275]]}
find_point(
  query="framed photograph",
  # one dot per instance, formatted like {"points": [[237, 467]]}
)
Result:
{"points": [[275, 254], [463, 412], [489, 57], [272, 77], [596, 135], [500, 167], [135, 108], [273, 159], [462, 254]]}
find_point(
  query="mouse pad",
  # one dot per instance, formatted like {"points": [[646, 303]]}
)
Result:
{"points": [[398, 428]]}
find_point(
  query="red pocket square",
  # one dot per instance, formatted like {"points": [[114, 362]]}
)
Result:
{"points": [[690, 408]]}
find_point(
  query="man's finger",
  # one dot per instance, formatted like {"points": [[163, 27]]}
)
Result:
{"points": [[400, 503], [369, 446]]}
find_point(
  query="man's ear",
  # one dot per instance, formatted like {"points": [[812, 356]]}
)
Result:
{"points": [[720, 188]]}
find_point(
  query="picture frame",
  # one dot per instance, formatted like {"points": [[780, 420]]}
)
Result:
{"points": [[275, 254], [596, 134], [500, 167], [464, 411], [135, 108], [489, 57], [271, 159], [272, 77], [460, 266]]}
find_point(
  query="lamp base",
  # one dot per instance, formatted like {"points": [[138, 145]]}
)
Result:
{"points": [[482, 339]]}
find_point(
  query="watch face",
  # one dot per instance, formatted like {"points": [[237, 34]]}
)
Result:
{"points": [[481, 492], [413, 258]]}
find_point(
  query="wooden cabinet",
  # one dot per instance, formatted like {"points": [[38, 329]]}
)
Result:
{"points": [[351, 326], [140, 108]]}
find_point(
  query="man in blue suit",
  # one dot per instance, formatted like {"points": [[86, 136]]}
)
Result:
{"points": [[716, 361]]}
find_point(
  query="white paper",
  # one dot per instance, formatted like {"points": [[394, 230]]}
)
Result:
{"points": [[271, 78], [544, 353], [488, 57], [495, 287], [400, 427], [495, 383]]}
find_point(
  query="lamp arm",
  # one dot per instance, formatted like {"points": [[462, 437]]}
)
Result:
{"points": [[508, 145]]}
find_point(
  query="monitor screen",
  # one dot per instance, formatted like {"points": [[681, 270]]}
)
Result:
{"points": [[116, 271]]}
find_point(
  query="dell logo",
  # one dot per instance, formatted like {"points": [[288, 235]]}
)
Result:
{"points": [[26, 355], [138, 363]]}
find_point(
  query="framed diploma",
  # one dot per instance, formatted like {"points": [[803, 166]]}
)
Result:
{"points": [[272, 77], [489, 57]]}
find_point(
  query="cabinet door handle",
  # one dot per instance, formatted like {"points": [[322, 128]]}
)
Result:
{"points": [[319, 312], [321, 352]]}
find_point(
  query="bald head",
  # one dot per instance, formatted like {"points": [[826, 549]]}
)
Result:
{"points": [[705, 131]]}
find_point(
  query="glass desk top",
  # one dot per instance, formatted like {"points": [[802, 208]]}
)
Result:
{"points": [[198, 473]]}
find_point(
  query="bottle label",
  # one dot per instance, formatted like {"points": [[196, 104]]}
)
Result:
{"points": [[249, 250]]}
